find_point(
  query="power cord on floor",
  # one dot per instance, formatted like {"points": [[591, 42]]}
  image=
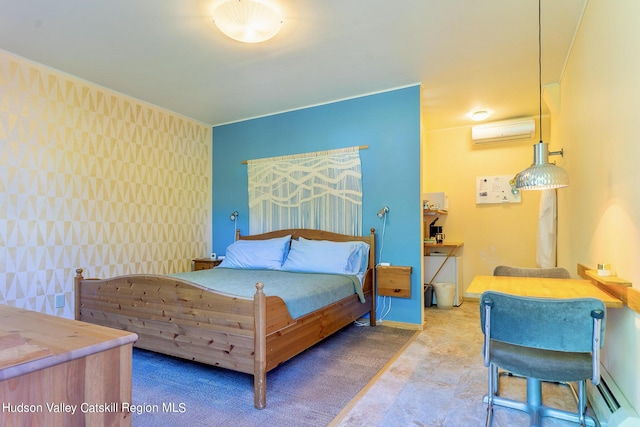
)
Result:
{"points": [[385, 300]]}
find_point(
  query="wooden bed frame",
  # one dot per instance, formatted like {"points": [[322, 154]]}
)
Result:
{"points": [[183, 319]]}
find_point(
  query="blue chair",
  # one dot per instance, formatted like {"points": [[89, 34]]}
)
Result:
{"points": [[551, 273], [542, 339]]}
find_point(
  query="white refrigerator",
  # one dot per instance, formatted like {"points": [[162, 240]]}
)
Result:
{"points": [[451, 272]]}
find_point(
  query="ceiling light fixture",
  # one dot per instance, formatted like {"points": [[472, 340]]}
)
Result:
{"points": [[248, 21], [480, 115], [542, 175]]}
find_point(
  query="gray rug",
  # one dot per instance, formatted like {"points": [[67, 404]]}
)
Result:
{"points": [[308, 390]]}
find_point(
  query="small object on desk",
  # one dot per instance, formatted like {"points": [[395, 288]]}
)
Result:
{"points": [[604, 270], [430, 241]]}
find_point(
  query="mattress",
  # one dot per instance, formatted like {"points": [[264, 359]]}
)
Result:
{"points": [[303, 293]]}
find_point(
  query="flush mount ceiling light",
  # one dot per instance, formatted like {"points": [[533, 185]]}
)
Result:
{"points": [[542, 175], [248, 21], [479, 115]]}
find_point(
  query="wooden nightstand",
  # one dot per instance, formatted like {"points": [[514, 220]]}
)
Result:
{"points": [[394, 281], [205, 263]]}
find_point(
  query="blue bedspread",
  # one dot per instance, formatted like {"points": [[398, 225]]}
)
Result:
{"points": [[301, 292]]}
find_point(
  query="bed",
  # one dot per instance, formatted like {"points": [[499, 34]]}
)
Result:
{"points": [[251, 334]]}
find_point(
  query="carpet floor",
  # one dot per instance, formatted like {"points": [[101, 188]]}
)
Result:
{"points": [[308, 390]]}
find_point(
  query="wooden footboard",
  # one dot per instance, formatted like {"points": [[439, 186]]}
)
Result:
{"points": [[181, 319]]}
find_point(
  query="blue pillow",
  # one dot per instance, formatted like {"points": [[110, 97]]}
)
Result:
{"points": [[257, 254], [323, 256]]}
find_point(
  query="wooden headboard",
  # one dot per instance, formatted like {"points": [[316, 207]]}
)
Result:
{"points": [[318, 235]]}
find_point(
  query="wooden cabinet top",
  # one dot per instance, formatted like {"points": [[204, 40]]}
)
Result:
{"points": [[36, 340]]}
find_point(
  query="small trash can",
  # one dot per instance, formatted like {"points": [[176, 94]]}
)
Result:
{"points": [[445, 294], [428, 295]]}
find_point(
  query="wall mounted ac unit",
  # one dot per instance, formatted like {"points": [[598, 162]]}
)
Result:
{"points": [[503, 131]]}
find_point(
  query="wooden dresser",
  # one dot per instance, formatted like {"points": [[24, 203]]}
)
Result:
{"points": [[61, 372]]}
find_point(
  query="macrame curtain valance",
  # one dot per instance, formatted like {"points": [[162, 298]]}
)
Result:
{"points": [[320, 190]]}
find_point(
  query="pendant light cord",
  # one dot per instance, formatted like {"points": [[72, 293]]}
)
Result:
{"points": [[540, 64]]}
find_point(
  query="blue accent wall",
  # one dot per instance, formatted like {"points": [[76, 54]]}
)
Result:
{"points": [[388, 123]]}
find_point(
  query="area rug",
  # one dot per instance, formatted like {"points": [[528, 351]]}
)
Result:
{"points": [[308, 390]]}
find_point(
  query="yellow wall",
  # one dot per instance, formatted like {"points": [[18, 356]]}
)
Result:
{"points": [[490, 232], [94, 179], [599, 128]]}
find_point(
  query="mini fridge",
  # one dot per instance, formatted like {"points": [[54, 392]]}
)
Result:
{"points": [[451, 272]]}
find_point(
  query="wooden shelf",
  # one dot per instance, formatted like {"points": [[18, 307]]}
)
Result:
{"points": [[607, 280], [444, 244], [434, 212], [613, 285]]}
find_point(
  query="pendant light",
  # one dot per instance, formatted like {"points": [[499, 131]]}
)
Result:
{"points": [[542, 175]]}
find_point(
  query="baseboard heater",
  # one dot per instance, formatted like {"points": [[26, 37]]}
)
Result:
{"points": [[609, 404]]}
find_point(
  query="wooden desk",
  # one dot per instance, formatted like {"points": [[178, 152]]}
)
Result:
{"points": [[539, 287], [63, 372]]}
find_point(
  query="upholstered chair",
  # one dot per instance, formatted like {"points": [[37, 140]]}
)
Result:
{"points": [[542, 339], [552, 273]]}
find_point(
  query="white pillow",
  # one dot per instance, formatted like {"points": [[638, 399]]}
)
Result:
{"points": [[323, 256], [257, 254]]}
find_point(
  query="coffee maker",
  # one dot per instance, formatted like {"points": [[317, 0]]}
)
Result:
{"points": [[435, 232]]}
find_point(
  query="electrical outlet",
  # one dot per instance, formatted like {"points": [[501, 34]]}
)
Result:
{"points": [[59, 300]]}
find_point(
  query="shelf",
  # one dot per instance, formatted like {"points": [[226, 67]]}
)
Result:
{"points": [[434, 212], [613, 285], [607, 280], [444, 244]]}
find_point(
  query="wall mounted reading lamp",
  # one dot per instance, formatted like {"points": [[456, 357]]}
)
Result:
{"points": [[382, 212]]}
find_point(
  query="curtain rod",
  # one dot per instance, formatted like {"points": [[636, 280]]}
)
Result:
{"points": [[360, 147]]}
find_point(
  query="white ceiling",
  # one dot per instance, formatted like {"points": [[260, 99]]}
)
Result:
{"points": [[467, 54]]}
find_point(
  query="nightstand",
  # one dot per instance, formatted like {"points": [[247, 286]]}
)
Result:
{"points": [[205, 263], [394, 281]]}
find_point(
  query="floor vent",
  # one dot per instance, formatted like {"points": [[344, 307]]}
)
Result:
{"points": [[609, 404]]}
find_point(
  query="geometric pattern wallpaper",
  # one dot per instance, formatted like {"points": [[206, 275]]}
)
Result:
{"points": [[94, 179]]}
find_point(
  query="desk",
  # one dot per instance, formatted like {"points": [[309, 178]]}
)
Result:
{"points": [[62, 372], [539, 287]]}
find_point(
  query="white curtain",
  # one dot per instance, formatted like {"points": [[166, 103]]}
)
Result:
{"points": [[321, 190], [547, 223]]}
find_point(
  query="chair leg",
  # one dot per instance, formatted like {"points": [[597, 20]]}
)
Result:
{"points": [[492, 379], [582, 402], [534, 400], [512, 375], [534, 407]]}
